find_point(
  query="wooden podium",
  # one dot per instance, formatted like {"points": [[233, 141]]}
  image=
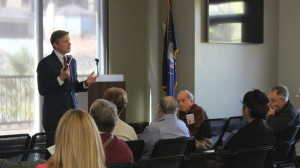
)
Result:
{"points": [[97, 89]]}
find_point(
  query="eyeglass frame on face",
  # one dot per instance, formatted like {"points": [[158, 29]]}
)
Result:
{"points": [[275, 100]]}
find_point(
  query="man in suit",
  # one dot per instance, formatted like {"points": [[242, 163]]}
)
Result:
{"points": [[58, 84]]}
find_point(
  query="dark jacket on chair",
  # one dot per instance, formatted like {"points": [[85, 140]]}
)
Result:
{"points": [[254, 134]]}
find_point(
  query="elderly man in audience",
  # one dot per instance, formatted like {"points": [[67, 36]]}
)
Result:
{"points": [[119, 97], [256, 132], [283, 118], [167, 127], [193, 116], [105, 116]]}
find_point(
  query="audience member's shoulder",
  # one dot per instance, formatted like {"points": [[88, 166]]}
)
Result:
{"points": [[42, 166], [124, 131], [152, 127], [123, 124], [121, 142], [196, 107], [8, 164], [31, 164]]}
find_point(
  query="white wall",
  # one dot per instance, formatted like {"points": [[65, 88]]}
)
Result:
{"points": [[184, 20], [218, 74], [289, 46], [127, 52], [225, 72]]}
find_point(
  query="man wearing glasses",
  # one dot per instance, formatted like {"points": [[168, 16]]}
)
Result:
{"points": [[283, 118]]}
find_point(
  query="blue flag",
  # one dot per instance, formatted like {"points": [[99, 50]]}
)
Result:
{"points": [[169, 81]]}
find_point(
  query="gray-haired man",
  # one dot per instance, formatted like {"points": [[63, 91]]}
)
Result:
{"points": [[283, 118], [167, 127]]}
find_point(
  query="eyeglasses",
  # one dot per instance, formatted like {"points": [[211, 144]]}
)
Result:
{"points": [[274, 100]]}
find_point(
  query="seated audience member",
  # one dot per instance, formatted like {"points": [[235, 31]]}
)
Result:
{"points": [[119, 97], [105, 116], [193, 116], [283, 118], [167, 127], [77, 143], [256, 132], [297, 145], [25, 164]]}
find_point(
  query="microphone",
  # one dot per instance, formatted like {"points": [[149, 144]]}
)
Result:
{"points": [[69, 59], [97, 60]]}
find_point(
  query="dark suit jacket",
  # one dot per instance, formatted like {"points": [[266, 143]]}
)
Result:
{"points": [[285, 126], [57, 99]]}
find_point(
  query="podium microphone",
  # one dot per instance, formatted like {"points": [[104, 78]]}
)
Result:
{"points": [[97, 60]]}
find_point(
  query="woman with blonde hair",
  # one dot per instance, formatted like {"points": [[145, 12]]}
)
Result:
{"points": [[77, 143]]}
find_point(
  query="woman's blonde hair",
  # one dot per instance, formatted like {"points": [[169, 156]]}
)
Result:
{"points": [[77, 142]]}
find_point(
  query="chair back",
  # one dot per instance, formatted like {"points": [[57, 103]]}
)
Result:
{"points": [[217, 128], [16, 142], [161, 162], [42, 140], [139, 127], [257, 157], [290, 161], [121, 165], [209, 160], [24, 155], [171, 147], [136, 148], [296, 136], [235, 123]]}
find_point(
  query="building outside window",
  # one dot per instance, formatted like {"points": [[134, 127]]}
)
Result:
{"points": [[18, 54]]}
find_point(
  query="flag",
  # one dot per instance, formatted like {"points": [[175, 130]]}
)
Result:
{"points": [[169, 81]]}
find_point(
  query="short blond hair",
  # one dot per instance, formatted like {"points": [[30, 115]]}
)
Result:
{"points": [[77, 142], [118, 96]]}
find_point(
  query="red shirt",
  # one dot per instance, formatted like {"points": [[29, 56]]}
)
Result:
{"points": [[45, 165], [117, 151]]}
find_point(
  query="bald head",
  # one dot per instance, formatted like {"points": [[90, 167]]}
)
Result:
{"points": [[185, 100], [168, 105]]}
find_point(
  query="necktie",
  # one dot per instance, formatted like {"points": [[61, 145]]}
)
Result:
{"points": [[65, 62]]}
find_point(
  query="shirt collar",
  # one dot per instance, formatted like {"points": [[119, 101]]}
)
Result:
{"points": [[167, 116], [59, 56]]}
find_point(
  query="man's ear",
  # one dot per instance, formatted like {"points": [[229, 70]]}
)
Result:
{"points": [[158, 108], [158, 111], [55, 45]]}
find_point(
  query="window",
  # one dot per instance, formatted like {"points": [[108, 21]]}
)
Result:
{"points": [[78, 18], [18, 55], [16, 70]]}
